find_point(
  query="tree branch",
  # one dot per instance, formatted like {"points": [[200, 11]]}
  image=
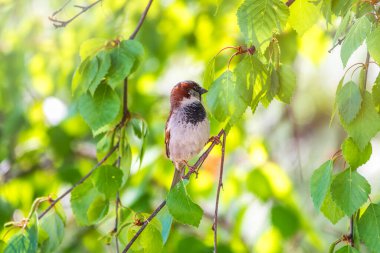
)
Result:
{"points": [[220, 185], [289, 2], [63, 23], [336, 44], [197, 165], [141, 21], [52, 204]]}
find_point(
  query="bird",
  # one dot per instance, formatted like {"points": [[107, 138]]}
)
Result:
{"points": [[187, 128]]}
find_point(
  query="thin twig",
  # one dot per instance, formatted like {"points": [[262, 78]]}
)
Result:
{"points": [[289, 2], [351, 236], [199, 162], [63, 23], [117, 221], [366, 65], [141, 21], [220, 186], [52, 204], [337, 44]]}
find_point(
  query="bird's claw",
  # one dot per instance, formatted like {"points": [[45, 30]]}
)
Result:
{"points": [[214, 139]]}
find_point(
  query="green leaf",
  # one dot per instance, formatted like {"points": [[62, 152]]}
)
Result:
{"points": [[353, 155], [347, 249], [225, 98], [259, 19], [182, 207], [348, 100], [107, 179], [373, 44], [355, 37], [104, 63], [209, 74], [150, 241], [53, 225], [287, 82], [251, 76], [303, 15], [82, 197], [24, 241], [166, 223], [285, 219], [123, 60], [342, 29], [258, 184], [100, 109], [320, 183], [330, 209], [91, 47], [273, 84], [84, 75], [341, 7], [98, 209], [350, 191], [376, 93], [369, 227], [365, 125]]}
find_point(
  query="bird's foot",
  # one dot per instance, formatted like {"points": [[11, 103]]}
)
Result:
{"points": [[214, 139], [192, 169]]}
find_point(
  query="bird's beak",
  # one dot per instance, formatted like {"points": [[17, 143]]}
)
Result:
{"points": [[203, 91]]}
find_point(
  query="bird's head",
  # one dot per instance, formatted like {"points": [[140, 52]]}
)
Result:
{"points": [[186, 91]]}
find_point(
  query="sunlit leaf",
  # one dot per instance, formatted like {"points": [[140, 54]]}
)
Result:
{"points": [[287, 83], [369, 227], [353, 155], [348, 100], [367, 119], [350, 191], [150, 241], [259, 19], [355, 37], [104, 63], [24, 241], [376, 93], [100, 109], [107, 179], [53, 225], [331, 210], [303, 15], [90, 47], [182, 207], [84, 75], [373, 44], [342, 29], [320, 183]]}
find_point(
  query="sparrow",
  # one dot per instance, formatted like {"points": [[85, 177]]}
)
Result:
{"points": [[187, 127]]}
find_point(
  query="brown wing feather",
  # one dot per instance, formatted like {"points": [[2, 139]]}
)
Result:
{"points": [[167, 137]]}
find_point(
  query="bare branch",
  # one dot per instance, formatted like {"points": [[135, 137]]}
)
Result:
{"points": [[141, 21], [337, 44], [220, 185], [63, 23], [289, 2], [52, 204]]}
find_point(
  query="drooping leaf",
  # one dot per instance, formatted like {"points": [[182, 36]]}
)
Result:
{"points": [[373, 44], [82, 197], [100, 109], [350, 191], [273, 85], [84, 75], [355, 37], [369, 227], [320, 183], [24, 241], [376, 93], [98, 209], [331, 210], [349, 100], [53, 225], [209, 74], [259, 19], [150, 241], [182, 207], [104, 63], [353, 155], [341, 7], [225, 98], [107, 179], [303, 15], [124, 60], [285, 219], [365, 125], [287, 83], [347, 249]]}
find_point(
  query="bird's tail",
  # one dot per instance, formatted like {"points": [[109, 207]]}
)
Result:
{"points": [[179, 172]]}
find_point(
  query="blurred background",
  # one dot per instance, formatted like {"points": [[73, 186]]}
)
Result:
{"points": [[265, 207]]}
